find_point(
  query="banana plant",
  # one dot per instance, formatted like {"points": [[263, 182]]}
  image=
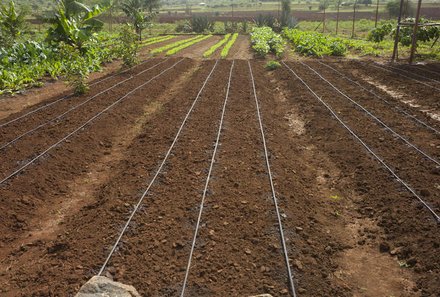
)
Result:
{"points": [[75, 23]]}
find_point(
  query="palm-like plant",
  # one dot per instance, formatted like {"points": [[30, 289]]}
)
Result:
{"points": [[75, 23], [140, 12], [12, 23]]}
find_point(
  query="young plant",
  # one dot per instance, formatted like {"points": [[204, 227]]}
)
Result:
{"points": [[128, 46], [185, 45], [225, 50], [76, 67], [154, 40], [272, 65], [213, 48], [172, 45]]}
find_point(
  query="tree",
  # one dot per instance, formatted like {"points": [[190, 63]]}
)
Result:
{"points": [[285, 13], [324, 4], [75, 23], [367, 2], [152, 5], [12, 23], [393, 8], [140, 13]]}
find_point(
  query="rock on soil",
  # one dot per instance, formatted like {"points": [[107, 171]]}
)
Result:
{"points": [[100, 286]]}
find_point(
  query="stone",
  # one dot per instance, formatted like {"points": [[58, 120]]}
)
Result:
{"points": [[262, 295], [384, 247], [100, 286]]}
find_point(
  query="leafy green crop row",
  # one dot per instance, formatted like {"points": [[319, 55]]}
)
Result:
{"points": [[265, 40], [213, 48], [185, 45], [24, 64], [225, 50], [157, 39], [172, 45], [315, 44]]}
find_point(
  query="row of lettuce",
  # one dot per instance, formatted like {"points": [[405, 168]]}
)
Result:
{"points": [[310, 43]]}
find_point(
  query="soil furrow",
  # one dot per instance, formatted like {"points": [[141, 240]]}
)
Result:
{"points": [[424, 139], [163, 230], [74, 253], [238, 250], [375, 212], [413, 168], [32, 144]]}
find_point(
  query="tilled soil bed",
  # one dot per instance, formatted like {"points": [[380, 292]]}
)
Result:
{"points": [[351, 229]]}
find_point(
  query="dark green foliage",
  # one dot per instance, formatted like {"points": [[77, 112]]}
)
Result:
{"points": [[272, 65], [265, 20], [393, 8], [424, 33], [200, 24], [285, 13], [378, 34]]}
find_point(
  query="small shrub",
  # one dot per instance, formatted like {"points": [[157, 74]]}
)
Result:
{"points": [[200, 24], [76, 67], [272, 65], [128, 46], [378, 34]]}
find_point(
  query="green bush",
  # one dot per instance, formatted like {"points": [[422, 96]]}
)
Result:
{"points": [[265, 40], [272, 65], [128, 46], [378, 34]]}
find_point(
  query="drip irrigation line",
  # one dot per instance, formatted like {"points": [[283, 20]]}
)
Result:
{"points": [[272, 187], [427, 70], [376, 156], [383, 99], [412, 73], [84, 125], [432, 159], [64, 97], [403, 75], [3, 146], [158, 171], [205, 190]]}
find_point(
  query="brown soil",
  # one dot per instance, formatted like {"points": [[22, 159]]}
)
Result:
{"points": [[240, 49], [196, 51], [351, 229]]}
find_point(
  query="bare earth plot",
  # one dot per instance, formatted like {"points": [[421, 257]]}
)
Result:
{"points": [[185, 136]]}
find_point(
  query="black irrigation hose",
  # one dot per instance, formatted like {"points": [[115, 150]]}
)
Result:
{"points": [[205, 190], [3, 146], [272, 187], [406, 185], [412, 73], [64, 97], [403, 75], [432, 159], [141, 199], [401, 110], [17, 171], [426, 70]]}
